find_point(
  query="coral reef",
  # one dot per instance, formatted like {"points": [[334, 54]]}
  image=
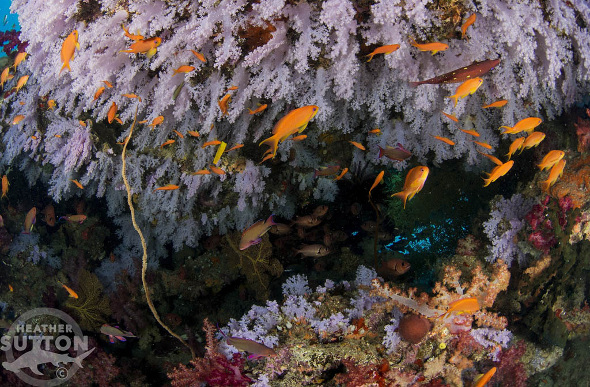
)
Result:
{"points": [[91, 307]]}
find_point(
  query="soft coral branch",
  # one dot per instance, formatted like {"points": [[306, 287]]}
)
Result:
{"points": [[213, 369]]}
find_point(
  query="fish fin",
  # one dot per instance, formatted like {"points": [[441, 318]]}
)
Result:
{"points": [[151, 52], [273, 143], [370, 57], [112, 339], [403, 195], [302, 128], [121, 338], [65, 65]]}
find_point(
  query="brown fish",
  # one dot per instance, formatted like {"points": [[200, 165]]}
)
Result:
{"points": [[280, 229], [307, 221], [394, 267], [313, 250], [320, 211], [475, 69], [49, 213], [397, 154]]}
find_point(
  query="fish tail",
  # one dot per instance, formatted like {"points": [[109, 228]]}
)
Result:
{"points": [[381, 150], [508, 128], [273, 143], [403, 195], [487, 181], [417, 83], [65, 65], [370, 57], [455, 99]]}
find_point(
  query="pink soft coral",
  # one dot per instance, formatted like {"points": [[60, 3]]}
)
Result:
{"points": [[213, 369]]}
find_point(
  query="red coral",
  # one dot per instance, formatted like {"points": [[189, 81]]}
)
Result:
{"points": [[511, 371], [583, 133], [214, 369], [361, 375]]}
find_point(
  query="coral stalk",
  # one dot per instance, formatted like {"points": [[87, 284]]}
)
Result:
{"points": [[143, 244]]}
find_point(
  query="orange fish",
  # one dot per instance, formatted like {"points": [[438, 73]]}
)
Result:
{"points": [[19, 58], [132, 95], [108, 84], [450, 116], [201, 172], [51, 104], [360, 146], [301, 137], [30, 220], [383, 50], [77, 183], [341, 175], [157, 121], [377, 181], [4, 76], [130, 36], [554, 174], [17, 119], [34, 137], [217, 170], [483, 379], [484, 144], [223, 103], [167, 187], [168, 142], [232, 88], [208, 143], [258, 109], [22, 81], [551, 159], [465, 305], [98, 93], [145, 46], [375, 131], [237, 146], [193, 133], [414, 182], [67, 50], [183, 69], [526, 125], [494, 159], [112, 112], [10, 288], [434, 47], [253, 234], [5, 185], [445, 140], [498, 104], [471, 132], [533, 140], [178, 133], [82, 123], [516, 145], [468, 87], [293, 122], [199, 56], [498, 172], [71, 292], [470, 20]]}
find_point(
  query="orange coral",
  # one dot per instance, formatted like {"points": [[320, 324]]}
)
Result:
{"points": [[574, 183]]}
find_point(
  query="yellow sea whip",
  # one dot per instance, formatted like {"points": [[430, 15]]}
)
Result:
{"points": [[143, 244]]}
